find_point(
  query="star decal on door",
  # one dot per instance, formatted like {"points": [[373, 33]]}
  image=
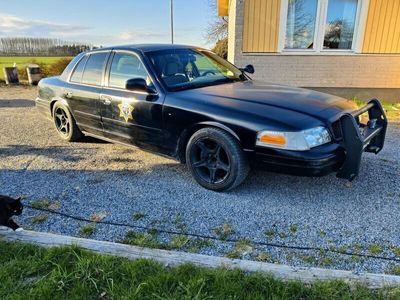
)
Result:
{"points": [[125, 111]]}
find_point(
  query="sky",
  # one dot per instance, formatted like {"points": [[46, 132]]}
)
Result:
{"points": [[107, 22]]}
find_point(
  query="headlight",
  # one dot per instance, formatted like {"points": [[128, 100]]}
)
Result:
{"points": [[298, 141]]}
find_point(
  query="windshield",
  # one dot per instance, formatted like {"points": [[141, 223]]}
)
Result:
{"points": [[181, 69]]}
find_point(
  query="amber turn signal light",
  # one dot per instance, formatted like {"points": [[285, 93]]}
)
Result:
{"points": [[273, 139]]}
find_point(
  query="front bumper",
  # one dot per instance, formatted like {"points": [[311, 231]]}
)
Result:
{"points": [[351, 138], [318, 161]]}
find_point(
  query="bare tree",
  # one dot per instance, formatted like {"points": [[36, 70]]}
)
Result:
{"points": [[217, 32]]}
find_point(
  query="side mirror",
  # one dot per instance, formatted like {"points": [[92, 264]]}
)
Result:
{"points": [[139, 85], [248, 69]]}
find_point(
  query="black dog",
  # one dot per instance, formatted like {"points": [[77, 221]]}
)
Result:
{"points": [[10, 207]]}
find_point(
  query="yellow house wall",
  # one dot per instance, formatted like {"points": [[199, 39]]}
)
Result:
{"points": [[359, 71], [261, 25], [223, 8], [382, 31]]}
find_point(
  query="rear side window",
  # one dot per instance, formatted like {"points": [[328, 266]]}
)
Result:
{"points": [[68, 69], [94, 68], [77, 74]]}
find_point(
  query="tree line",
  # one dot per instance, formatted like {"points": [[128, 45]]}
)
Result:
{"points": [[21, 46]]}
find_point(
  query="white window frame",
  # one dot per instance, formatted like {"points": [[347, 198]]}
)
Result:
{"points": [[322, 12]]}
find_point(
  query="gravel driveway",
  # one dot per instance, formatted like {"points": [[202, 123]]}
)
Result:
{"points": [[94, 179]]}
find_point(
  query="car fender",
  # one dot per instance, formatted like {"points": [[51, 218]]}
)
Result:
{"points": [[186, 134], [221, 126], [63, 101]]}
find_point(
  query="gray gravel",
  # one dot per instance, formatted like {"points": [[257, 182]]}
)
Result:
{"points": [[95, 177]]}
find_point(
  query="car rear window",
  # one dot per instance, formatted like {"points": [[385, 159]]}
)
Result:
{"points": [[94, 68]]}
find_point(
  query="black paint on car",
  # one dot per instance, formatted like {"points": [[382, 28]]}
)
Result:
{"points": [[191, 105]]}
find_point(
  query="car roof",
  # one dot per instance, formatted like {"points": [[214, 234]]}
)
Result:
{"points": [[148, 47]]}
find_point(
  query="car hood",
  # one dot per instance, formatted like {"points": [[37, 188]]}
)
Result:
{"points": [[308, 102]]}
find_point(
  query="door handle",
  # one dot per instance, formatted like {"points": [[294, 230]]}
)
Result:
{"points": [[106, 99]]}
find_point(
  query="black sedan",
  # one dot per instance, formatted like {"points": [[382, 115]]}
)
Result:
{"points": [[189, 104]]}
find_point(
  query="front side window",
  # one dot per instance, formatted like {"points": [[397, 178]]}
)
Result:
{"points": [[321, 24], [181, 69], [126, 66], [94, 68]]}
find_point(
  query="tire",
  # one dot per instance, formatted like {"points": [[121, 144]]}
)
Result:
{"points": [[216, 159], [65, 123]]}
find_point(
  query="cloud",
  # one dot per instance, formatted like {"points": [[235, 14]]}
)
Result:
{"points": [[15, 26], [181, 35], [137, 36]]}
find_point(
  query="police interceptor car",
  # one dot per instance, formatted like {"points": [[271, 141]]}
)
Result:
{"points": [[191, 105]]}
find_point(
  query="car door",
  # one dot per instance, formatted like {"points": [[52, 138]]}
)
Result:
{"points": [[128, 116], [83, 91]]}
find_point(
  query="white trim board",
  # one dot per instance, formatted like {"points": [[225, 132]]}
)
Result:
{"points": [[173, 258]]}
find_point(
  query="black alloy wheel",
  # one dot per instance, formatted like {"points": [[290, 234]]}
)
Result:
{"points": [[62, 122], [216, 160], [65, 123], [210, 161]]}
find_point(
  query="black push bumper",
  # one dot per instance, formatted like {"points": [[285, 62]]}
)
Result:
{"points": [[351, 137], [358, 137]]}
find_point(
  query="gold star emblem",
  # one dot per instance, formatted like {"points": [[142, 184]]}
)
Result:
{"points": [[125, 111]]}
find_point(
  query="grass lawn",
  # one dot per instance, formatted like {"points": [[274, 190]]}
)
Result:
{"points": [[8, 61], [392, 110], [31, 272]]}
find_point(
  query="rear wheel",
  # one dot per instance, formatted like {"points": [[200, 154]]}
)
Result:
{"points": [[216, 160], [65, 123]]}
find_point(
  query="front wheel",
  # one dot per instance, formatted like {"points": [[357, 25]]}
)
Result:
{"points": [[216, 160], [65, 123]]}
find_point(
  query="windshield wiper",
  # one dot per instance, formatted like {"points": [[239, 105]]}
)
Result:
{"points": [[194, 85]]}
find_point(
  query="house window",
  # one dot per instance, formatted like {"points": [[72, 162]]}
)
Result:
{"points": [[300, 25], [318, 25], [340, 24]]}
